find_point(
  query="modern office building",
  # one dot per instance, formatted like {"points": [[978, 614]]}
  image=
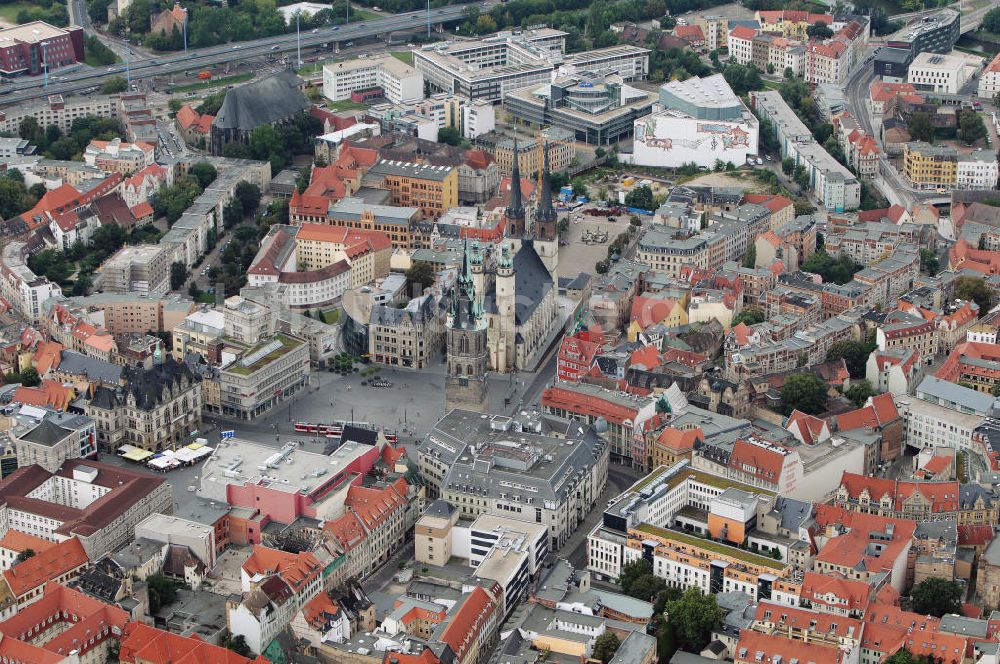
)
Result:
{"points": [[703, 121], [400, 83], [599, 111], [934, 72], [546, 470], [33, 48], [489, 68], [629, 62], [892, 64], [935, 34]]}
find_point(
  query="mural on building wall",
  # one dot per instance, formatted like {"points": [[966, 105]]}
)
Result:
{"points": [[732, 136]]}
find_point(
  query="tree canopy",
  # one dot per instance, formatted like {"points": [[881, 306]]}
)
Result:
{"points": [[692, 618], [854, 353], [751, 315], [640, 197], [803, 391], [975, 290], [837, 270], [936, 596], [605, 646]]}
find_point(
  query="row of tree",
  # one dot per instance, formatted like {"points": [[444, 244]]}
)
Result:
{"points": [[70, 146], [278, 144], [173, 200]]}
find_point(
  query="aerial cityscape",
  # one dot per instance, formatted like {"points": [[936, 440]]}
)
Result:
{"points": [[500, 332]]}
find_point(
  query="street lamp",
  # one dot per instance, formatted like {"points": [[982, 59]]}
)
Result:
{"points": [[45, 66]]}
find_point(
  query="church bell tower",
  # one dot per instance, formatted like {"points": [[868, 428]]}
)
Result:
{"points": [[546, 235], [465, 384]]}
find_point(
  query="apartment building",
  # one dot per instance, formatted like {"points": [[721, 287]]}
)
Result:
{"points": [[400, 83], [142, 269], [944, 414], [977, 170], [431, 189], [118, 157], [989, 80], [410, 337], [276, 585], [928, 166], [830, 180], [97, 504]]}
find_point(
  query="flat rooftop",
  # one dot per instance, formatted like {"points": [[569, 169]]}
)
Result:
{"points": [[289, 469]]}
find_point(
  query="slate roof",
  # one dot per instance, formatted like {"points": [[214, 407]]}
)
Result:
{"points": [[532, 282], [261, 102], [71, 362], [148, 385], [47, 433]]}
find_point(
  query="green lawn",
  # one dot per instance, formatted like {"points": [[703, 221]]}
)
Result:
{"points": [[772, 85], [362, 14], [331, 317], [405, 56], [202, 85], [9, 12], [345, 105]]}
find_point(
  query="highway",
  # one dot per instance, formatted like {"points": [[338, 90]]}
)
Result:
{"points": [[18, 92]]}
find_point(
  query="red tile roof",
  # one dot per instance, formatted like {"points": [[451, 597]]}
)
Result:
{"points": [[866, 542], [148, 645], [85, 631], [810, 427], [678, 440], [50, 393], [585, 404], [742, 32], [764, 463], [975, 535], [774, 648], [15, 540], [296, 569], [347, 531], [468, 620], [880, 412], [63, 558], [375, 505], [943, 496], [817, 621], [854, 596]]}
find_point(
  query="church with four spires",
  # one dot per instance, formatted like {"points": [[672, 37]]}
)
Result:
{"points": [[504, 310]]}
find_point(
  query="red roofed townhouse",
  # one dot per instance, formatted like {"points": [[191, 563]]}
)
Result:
{"points": [[765, 464], [741, 44], [47, 355], [415, 617], [575, 358], [383, 512], [670, 445], [142, 644], [474, 624], [832, 593], [322, 619], [807, 429], [881, 93], [756, 648], [782, 209], [791, 23], [196, 128], [889, 629], [276, 585], [347, 539], [116, 156], [24, 583], [62, 621], [920, 501], [49, 393], [169, 20], [863, 546], [692, 34], [896, 371], [806, 625], [879, 415], [827, 62], [655, 309], [937, 467], [139, 187], [975, 364], [962, 256]]}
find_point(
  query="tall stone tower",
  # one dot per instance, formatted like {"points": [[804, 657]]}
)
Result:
{"points": [[516, 222], [465, 384], [506, 303], [546, 233]]}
